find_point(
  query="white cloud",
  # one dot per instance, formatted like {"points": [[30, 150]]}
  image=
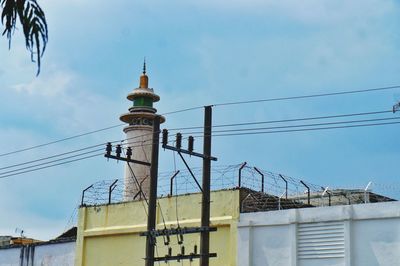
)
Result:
{"points": [[52, 83], [308, 11]]}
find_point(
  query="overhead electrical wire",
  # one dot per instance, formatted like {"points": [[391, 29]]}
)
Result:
{"points": [[126, 144], [33, 167], [52, 161], [305, 129], [18, 171], [216, 105], [284, 120], [51, 157], [59, 140], [309, 96], [48, 166], [304, 125]]}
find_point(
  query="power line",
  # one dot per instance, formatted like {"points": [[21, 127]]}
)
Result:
{"points": [[59, 140], [286, 120], [73, 151], [48, 166], [216, 104], [51, 157], [309, 96], [216, 135], [300, 130], [303, 125], [18, 171], [218, 131], [57, 160]]}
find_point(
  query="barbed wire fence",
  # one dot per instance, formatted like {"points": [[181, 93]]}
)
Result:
{"points": [[264, 190]]}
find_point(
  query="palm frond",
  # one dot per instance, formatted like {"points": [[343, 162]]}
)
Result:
{"points": [[34, 25]]}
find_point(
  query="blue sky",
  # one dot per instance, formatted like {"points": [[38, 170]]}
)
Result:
{"points": [[198, 53]]}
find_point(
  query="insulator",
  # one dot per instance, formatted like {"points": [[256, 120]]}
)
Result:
{"points": [[118, 150], [178, 140], [180, 239], [183, 250], [108, 148], [164, 137], [190, 143], [129, 152], [195, 249], [166, 236]]}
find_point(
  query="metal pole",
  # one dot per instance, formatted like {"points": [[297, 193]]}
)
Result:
{"points": [[286, 184], [151, 220], [171, 188], [262, 178], [205, 203], [308, 191], [110, 190], [323, 194], [366, 198], [83, 193], [240, 173]]}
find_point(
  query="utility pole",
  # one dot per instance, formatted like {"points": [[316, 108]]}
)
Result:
{"points": [[205, 204], [151, 221], [205, 228]]}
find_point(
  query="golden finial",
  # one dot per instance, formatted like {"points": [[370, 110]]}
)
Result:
{"points": [[144, 80]]}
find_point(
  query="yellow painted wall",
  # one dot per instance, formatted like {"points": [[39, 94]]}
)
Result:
{"points": [[108, 235]]}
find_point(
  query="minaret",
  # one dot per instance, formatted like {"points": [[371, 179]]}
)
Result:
{"points": [[139, 135]]}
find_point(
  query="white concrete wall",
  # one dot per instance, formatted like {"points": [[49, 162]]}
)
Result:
{"points": [[10, 257], [62, 254], [55, 254], [356, 235]]}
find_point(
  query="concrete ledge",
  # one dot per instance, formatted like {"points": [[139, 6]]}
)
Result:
{"points": [[322, 214]]}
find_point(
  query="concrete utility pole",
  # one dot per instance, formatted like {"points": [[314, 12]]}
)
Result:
{"points": [[205, 206], [152, 211], [205, 228]]}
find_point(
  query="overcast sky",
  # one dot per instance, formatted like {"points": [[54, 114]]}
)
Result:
{"points": [[198, 53]]}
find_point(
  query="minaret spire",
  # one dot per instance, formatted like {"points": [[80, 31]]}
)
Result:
{"points": [[139, 126], [144, 80]]}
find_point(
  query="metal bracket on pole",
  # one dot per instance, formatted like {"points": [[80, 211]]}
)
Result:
{"points": [[119, 158], [366, 198], [190, 171], [191, 153], [286, 184], [240, 174], [262, 178], [308, 191], [171, 187], [110, 190], [326, 191], [83, 193], [140, 192]]}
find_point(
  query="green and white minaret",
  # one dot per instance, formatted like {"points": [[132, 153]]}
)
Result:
{"points": [[139, 135]]}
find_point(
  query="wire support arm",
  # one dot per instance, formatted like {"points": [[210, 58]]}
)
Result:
{"points": [[190, 171], [185, 257], [191, 153], [179, 231], [126, 159]]}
